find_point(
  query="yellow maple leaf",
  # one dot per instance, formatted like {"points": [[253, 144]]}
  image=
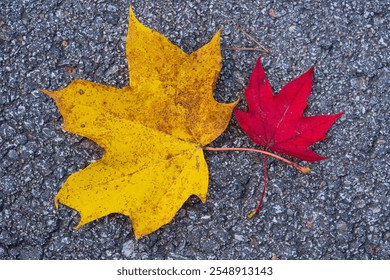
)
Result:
{"points": [[152, 132]]}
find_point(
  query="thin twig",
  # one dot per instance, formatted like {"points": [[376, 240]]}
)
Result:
{"points": [[243, 49], [254, 40]]}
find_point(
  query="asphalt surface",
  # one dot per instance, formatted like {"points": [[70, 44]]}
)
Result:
{"points": [[339, 211]]}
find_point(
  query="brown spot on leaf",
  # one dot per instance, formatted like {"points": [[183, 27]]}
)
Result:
{"points": [[169, 156]]}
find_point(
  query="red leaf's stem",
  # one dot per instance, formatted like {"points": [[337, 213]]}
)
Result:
{"points": [[266, 154], [297, 166], [250, 215]]}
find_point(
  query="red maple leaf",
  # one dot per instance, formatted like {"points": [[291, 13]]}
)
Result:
{"points": [[277, 122]]}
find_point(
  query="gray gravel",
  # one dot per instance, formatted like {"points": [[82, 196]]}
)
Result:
{"points": [[339, 211]]}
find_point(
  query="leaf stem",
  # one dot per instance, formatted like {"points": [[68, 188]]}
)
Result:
{"points": [[266, 154], [250, 215], [296, 165]]}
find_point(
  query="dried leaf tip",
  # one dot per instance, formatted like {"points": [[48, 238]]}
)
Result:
{"points": [[56, 202], [305, 170], [251, 214]]}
